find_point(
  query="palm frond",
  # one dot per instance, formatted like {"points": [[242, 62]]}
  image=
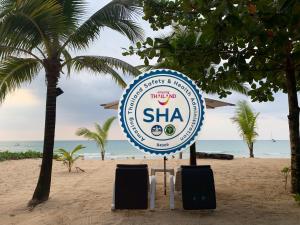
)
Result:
{"points": [[99, 130], [64, 155], [31, 23], [107, 124], [72, 10], [6, 51], [103, 65], [86, 133], [144, 68], [16, 71], [76, 149], [118, 15], [82, 131], [6, 7], [68, 60]]}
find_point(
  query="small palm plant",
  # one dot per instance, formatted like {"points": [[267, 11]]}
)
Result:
{"points": [[246, 120], [68, 158], [99, 136]]}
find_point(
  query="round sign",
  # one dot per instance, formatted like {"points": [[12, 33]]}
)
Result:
{"points": [[161, 112]]}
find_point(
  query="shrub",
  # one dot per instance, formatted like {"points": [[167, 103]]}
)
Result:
{"points": [[297, 198], [21, 155]]}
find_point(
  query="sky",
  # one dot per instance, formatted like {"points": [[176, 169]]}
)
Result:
{"points": [[22, 113]]}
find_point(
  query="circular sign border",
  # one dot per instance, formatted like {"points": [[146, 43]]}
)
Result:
{"points": [[128, 89]]}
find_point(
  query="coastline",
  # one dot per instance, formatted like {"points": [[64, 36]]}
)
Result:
{"points": [[249, 191], [122, 149]]}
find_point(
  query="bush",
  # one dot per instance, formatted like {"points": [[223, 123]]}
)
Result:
{"points": [[21, 155]]}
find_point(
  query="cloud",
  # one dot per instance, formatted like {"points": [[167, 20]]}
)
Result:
{"points": [[21, 98]]}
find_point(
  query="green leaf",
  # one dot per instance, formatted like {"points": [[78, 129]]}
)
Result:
{"points": [[16, 71], [138, 45], [149, 41], [118, 15]]}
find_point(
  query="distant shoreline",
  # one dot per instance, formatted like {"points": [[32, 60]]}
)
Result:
{"points": [[118, 149]]}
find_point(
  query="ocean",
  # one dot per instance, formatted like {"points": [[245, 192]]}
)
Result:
{"points": [[122, 149]]}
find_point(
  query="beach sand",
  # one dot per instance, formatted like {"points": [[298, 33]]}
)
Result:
{"points": [[249, 191]]}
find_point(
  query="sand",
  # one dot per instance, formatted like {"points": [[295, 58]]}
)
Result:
{"points": [[249, 191]]}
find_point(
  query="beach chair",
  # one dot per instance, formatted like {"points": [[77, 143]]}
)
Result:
{"points": [[195, 186], [131, 187]]}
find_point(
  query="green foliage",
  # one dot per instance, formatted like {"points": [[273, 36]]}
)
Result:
{"points": [[246, 120], [99, 135], [16, 71], [223, 42], [297, 198], [36, 33], [180, 51], [21, 155], [68, 157], [102, 64], [286, 172]]}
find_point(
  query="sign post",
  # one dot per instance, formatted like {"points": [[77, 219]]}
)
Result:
{"points": [[165, 175]]}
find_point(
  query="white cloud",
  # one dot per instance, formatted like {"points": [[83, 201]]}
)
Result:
{"points": [[21, 98]]}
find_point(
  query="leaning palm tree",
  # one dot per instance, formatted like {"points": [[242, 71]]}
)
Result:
{"points": [[99, 136], [40, 35], [246, 120]]}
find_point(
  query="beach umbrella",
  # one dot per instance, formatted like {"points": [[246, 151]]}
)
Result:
{"points": [[210, 104]]}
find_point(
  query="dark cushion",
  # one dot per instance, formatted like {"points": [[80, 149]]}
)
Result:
{"points": [[131, 188], [198, 188], [132, 166], [196, 167]]}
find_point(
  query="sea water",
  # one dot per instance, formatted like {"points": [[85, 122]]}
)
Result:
{"points": [[122, 149]]}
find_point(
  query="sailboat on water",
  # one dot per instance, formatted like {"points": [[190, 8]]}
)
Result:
{"points": [[272, 139]]}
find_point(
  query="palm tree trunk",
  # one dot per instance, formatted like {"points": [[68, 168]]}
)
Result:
{"points": [[193, 160], [251, 150], [102, 155], [42, 189], [293, 119]]}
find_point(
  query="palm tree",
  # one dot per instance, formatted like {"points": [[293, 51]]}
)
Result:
{"points": [[39, 35], [69, 158], [246, 119], [99, 136]]}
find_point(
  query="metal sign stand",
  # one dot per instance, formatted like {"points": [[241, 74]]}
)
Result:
{"points": [[165, 175]]}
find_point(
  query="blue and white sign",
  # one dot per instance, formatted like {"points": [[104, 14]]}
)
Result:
{"points": [[161, 112]]}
